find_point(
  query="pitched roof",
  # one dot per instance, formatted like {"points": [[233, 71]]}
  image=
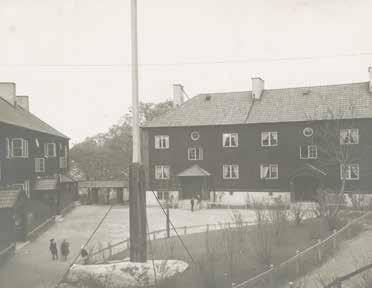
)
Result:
{"points": [[17, 116], [207, 109], [275, 105], [8, 198], [194, 170]]}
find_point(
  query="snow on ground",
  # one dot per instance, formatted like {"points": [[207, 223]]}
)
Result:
{"points": [[115, 228]]}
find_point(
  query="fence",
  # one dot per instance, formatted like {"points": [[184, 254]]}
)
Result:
{"points": [[338, 282], [106, 253], [7, 252], [303, 260]]}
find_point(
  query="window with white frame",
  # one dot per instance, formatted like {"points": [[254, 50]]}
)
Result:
{"points": [[269, 171], [230, 171], [308, 152], [39, 165], [349, 136], [162, 172], [349, 171], [50, 150], [195, 153], [25, 186], [269, 139], [161, 142], [17, 148], [230, 140]]}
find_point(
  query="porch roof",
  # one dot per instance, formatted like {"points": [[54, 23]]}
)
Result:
{"points": [[45, 184], [193, 171]]}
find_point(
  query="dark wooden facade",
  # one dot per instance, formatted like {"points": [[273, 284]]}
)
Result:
{"points": [[249, 155], [18, 170]]}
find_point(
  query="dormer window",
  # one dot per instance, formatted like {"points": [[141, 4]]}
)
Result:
{"points": [[161, 142], [230, 140]]}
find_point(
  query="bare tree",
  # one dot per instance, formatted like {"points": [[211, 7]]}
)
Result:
{"points": [[337, 137]]}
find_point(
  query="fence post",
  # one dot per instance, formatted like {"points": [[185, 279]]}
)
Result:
{"points": [[185, 230], [298, 263], [319, 251], [272, 276], [334, 239]]}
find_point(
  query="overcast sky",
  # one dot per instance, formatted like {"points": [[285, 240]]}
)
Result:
{"points": [[72, 57]]}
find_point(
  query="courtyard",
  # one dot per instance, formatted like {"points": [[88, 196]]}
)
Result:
{"points": [[38, 270]]}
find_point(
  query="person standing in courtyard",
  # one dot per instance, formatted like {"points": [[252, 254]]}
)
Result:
{"points": [[53, 249], [65, 249], [192, 202], [84, 255]]}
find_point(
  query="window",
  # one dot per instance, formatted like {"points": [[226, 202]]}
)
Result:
{"points": [[39, 165], [19, 148], [269, 171], [161, 142], [269, 139], [163, 195], [230, 171], [309, 152], [62, 162], [349, 171], [308, 132], [195, 153], [230, 140], [195, 135], [162, 172], [50, 150], [349, 136]]}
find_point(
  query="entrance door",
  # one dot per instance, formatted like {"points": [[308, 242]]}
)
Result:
{"points": [[305, 188], [191, 186]]}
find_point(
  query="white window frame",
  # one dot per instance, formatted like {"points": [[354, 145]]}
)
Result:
{"points": [[38, 165], [46, 150], [164, 172], [193, 152], [229, 137], [266, 171], [24, 148], [346, 171], [269, 135], [161, 142], [227, 171], [344, 133], [309, 154]]}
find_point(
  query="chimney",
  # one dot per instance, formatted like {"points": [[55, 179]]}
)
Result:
{"points": [[257, 88], [178, 95], [8, 92], [370, 78], [23, 102]]}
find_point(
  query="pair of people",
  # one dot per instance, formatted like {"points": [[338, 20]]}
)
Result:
{"points": [[65, 249]]}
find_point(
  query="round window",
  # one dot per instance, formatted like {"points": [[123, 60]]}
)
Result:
{"points": [[308, 132], [195, 135]]}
